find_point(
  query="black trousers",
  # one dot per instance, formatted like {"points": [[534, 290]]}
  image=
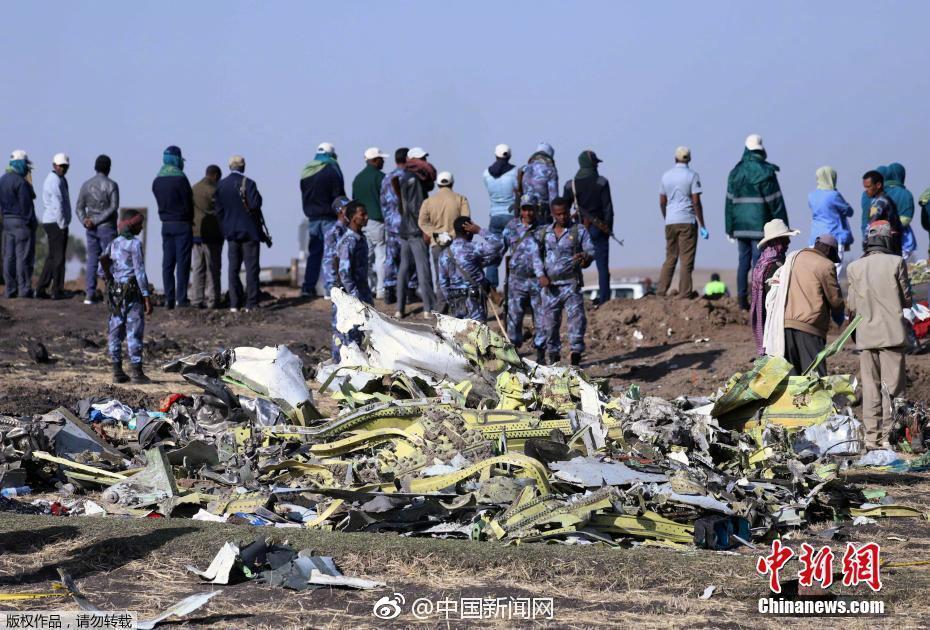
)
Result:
{"points": [[239, 252], [53, 272], [801, 349]]}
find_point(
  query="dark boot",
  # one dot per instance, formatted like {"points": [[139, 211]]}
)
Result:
{"points": [[576, 358], [541, 356], [554, 358], [390, 295], [412, 296], [119, 376], [138, 376]]}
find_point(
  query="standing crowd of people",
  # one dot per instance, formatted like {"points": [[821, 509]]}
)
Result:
{"points": [[418, 242], [794, 296], [408, 232]]}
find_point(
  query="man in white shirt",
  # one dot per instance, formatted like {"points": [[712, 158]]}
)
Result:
{"points": [[680, 203], [56, 216]]}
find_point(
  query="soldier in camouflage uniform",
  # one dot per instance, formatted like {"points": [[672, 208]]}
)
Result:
{"points": [[353, 269], [567, 250], [541, 178], [127, 296], [330, 240], [461, 270], [523, 238], [391, 211]]}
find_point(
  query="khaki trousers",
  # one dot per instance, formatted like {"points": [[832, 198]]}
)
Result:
{"points": [[882, 373], [680, 242]]}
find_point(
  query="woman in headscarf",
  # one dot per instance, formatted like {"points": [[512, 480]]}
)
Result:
{"points": [[772, 251], [830, 213]]}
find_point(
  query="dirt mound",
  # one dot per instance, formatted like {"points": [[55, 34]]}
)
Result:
{"points": [[656, 320]]}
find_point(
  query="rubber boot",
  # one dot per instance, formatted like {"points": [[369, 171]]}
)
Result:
{"points": [[554, 358], [390, 295], [576, 358], [137, 375], [119, 376], [541, 356]]}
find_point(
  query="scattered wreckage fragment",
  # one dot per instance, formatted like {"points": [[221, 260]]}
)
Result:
{"points": [[442, 430]]}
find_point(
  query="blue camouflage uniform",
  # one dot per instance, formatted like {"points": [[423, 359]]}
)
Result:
{"points": [[330, 265], [391, 211], [461, 274], [352, 251], [127, 316], [564, 291], [541, 178], [525, 268]]}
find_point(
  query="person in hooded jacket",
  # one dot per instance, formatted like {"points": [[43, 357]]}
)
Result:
{"points": [[590, 192], [904, 201], [541, 179], [19, 225], [830, 212], [501, 181], [753, 199], [321, 182], [175, 199]]}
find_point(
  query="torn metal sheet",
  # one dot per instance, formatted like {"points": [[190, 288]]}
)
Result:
{"points": [[592, 473], [182, 608], [277, 373], [221, 567], [453, 349]]}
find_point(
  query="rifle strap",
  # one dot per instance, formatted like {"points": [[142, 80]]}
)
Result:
{"points": [[462, 272]]}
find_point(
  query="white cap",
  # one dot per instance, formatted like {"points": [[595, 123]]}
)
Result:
{"points": [[374, 152], [236, 163], [445, 178], [19, 154], [502, 151], [683, 154], [60, 159], [417, 152], [326, 147], [754, 142]]}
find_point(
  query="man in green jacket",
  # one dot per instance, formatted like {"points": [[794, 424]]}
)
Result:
{"points": [[366, 188], [753, 199]]}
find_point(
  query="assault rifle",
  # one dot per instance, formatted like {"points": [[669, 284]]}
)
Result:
{"points": [[256, 215]]}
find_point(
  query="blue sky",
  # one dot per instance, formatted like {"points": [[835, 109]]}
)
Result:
{"points": [[839, 83]]}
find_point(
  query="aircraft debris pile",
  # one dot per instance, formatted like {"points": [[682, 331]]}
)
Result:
{"points": [[442, 430]]}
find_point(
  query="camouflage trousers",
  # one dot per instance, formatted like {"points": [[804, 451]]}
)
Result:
{"points": [[129, 324], [392, 263], [467, 304], [568, 298], [343, 339], [523, 294]]}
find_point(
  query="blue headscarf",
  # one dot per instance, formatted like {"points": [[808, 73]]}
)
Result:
{"points": [[20, 167]]}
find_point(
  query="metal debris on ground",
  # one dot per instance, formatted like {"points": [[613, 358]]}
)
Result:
{"points": [[443, 431]]}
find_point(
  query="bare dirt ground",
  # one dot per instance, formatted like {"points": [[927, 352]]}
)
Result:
{"points": [[686, 347]]}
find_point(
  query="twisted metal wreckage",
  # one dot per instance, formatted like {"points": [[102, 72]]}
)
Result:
{"points": [[443, 430]]}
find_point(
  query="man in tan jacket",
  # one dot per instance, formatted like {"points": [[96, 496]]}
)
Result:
{"points": [[813, 294], [437, 216], [879, 290]]}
